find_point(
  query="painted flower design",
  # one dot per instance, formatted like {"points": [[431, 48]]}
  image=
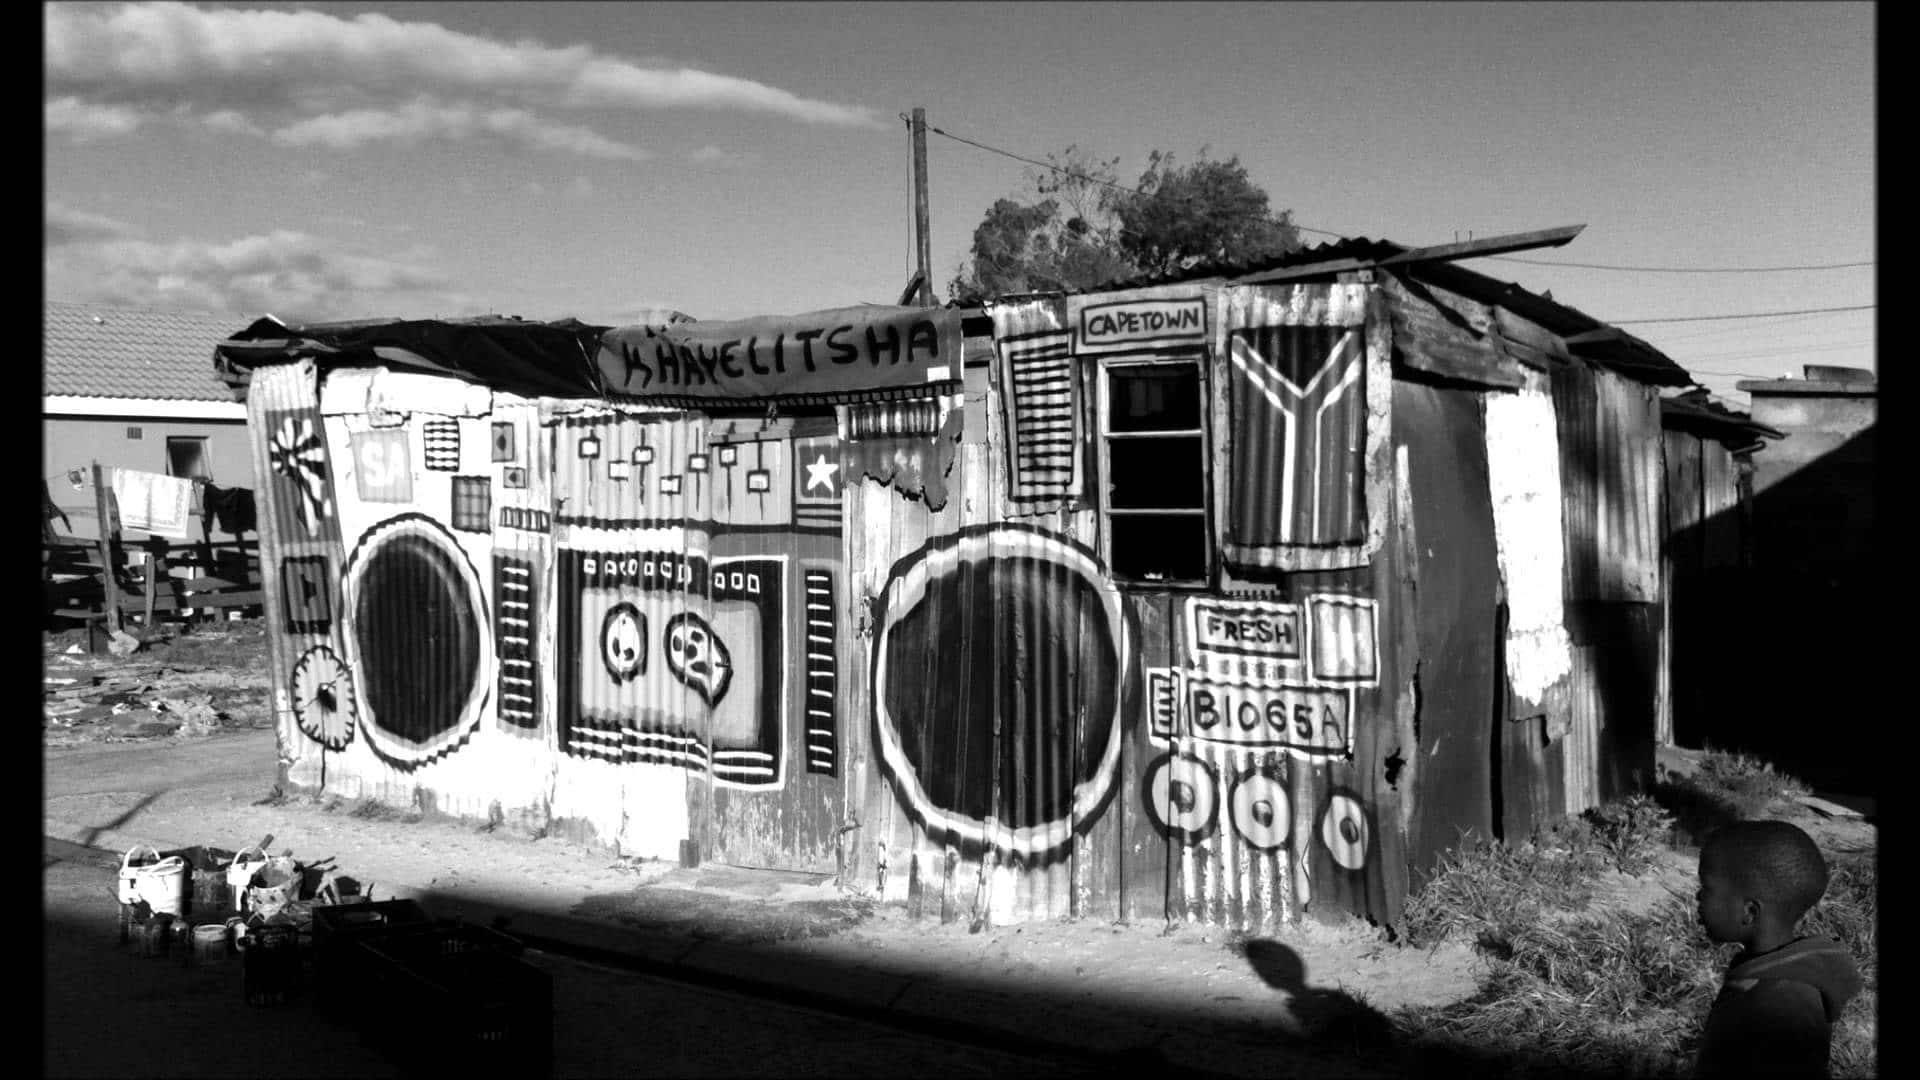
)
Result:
{"points": [[295, 453]]}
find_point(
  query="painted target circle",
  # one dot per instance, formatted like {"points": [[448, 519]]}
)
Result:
{"points": [[1183, 797], [418, 640], [999, 669], [1345, 831], [1261, 810]]}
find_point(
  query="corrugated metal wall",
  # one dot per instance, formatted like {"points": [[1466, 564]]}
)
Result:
{"points": [[625, 625], [952, 698], [1612, 467]]}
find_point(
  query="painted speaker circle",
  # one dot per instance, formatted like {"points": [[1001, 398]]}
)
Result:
{"points": [[623, 642], [998, 673], [418, 639], [1183, 798], [1345, 832], [1262, 813]]}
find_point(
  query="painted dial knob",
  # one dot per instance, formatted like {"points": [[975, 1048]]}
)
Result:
{"points": [[323, 703]]}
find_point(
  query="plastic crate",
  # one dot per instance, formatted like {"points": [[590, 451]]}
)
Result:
{"points": [[460, 1001], [339, 965]]}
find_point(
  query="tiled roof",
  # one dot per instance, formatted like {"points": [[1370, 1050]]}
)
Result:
{"points": [[90, 350]]}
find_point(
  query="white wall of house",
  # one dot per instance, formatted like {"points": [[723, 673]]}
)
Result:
{"points": [[136, 442]]}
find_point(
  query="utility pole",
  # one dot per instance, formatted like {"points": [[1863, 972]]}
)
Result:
{"points": [[921, 239]]}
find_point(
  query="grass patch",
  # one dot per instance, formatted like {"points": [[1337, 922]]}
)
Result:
{"points": [[1481, 890], [1751, 785], [1727, 787], [373, 810], [1612, 992], [1615, 994]]}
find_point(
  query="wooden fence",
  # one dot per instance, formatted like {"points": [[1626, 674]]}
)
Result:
{"points": [[110, 584]]}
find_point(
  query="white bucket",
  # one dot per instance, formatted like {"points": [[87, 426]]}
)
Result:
{"points": [[161, 884]]}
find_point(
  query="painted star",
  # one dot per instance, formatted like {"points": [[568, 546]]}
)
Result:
{"points": [[820, 474]]}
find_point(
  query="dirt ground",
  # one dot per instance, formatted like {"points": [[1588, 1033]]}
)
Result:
{"points": [[194, 688]]}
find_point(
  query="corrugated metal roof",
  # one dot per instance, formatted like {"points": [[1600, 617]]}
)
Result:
{"points": [[1697, 409], [1620, 351], [93, 350]]}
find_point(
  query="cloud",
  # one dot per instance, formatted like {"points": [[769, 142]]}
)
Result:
{"points": [[66, 225], [314, 61], [290, 273], [580, 187], [232, 121], [82, 120], [713, 155], [424, 119], [535, 187]]}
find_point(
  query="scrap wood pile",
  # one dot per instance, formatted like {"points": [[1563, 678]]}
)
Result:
{"points": [[298, 929]]}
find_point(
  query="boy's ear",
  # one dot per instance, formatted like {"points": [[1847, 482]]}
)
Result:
{"points": [[1750, 911]]}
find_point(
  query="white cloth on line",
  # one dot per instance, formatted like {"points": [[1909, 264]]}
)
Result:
{"points": [[152, 503]]}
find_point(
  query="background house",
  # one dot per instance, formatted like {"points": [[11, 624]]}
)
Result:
{"points": [[134, 388], [1815, 572]]}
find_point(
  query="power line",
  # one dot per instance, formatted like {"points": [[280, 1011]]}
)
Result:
{"points": [[1686, 269], [1747, 315], [1786, 350], [1083, 176], [1503, 258]]}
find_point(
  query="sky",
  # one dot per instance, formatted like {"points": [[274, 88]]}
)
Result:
{"points": [[607, 161]]}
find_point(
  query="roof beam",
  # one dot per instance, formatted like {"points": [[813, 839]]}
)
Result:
{"points": [[1466, 249]]}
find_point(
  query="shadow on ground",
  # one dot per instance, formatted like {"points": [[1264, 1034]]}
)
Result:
{"points": [[1314, 1030]]}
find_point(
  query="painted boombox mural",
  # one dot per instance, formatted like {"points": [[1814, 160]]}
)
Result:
{"points": [[693, 576], [675, 659], [696, 570]]}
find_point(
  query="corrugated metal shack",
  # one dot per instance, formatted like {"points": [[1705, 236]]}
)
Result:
{"points": [[1205, 598]]}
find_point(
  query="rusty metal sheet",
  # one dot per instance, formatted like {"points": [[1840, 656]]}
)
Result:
{"points": [[1613, 470], [1445, 436], [315, 707], [1445, 335]]}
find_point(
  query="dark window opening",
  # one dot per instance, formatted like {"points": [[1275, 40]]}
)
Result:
{"points": [[1154, 398], [187, 457], [1158, 548], [1154, 471]]}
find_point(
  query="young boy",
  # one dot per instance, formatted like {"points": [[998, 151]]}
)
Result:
{"points": [[1775, 1013]]}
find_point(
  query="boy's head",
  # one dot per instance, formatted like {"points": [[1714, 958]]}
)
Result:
{"points": [[1757, 878]]}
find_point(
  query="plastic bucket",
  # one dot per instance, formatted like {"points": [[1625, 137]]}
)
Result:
{"points": [[161, 885], [210, 945], [273, 887]]}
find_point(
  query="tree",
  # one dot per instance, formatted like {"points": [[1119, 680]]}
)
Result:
{"points": [[1207, 212], [1081, 228]]}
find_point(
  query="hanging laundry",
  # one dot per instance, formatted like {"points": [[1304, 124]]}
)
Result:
{"points": [[231, 508], [152, 503]]}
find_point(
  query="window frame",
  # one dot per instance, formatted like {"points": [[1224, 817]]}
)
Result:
{"points": [[206, 455], [1197, 359]]}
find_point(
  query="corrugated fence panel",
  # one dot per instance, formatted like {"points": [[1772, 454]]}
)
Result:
{"points": [[1630, 471], [300, 559], [1524, 477], [1720, 502], [1576, 414], [1445, 435], [632, 581]]}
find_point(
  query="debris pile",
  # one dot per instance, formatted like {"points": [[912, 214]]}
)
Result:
{"points": [[149, 701]]}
